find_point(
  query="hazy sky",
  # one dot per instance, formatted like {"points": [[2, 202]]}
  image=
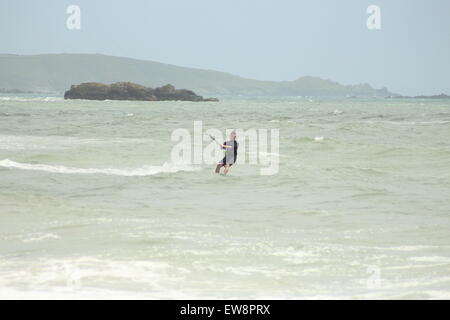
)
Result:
{"points": [[262, 39]]}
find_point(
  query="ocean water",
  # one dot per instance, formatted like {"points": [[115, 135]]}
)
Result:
{"points": [[91, 205]]}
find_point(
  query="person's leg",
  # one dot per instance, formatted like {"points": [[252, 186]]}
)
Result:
{"points": [[227, 168], [218, 167]]}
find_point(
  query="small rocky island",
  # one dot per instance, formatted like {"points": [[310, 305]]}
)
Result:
{"points": [[130, 91]]}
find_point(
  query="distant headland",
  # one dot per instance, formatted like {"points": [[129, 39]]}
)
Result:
{"points": [[130, 91], [57, 72], [437, 96]]}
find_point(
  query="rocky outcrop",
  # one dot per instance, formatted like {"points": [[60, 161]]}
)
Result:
{"points": [[130, 91]]}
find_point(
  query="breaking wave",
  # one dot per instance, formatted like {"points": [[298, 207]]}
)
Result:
{"points": [[142, 171], [25, 99]]}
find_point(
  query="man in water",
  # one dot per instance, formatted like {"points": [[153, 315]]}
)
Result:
{"points": [[230, 148]]}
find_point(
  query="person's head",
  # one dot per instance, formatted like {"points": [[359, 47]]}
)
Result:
{"points": [[233, 135]]}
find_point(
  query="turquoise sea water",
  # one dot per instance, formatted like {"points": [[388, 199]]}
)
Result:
{"points": [[92, 207]]}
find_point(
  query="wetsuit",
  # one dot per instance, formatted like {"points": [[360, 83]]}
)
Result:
{"points": [[230, 153]]}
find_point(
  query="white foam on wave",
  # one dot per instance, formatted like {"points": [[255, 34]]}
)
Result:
{"points": [[267, 154], [23, 99], [32, 142], [11, 142], [72, 277], [439, 259], [142, 171], [40, 237]]}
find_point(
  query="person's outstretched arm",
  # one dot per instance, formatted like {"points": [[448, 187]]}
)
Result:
{"points": [[224, 146]]}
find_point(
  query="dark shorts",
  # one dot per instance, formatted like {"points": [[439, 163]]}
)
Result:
{"points": [[224, 162]]}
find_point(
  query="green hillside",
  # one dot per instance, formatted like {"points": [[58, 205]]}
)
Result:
{"points": [[56, 72]]}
